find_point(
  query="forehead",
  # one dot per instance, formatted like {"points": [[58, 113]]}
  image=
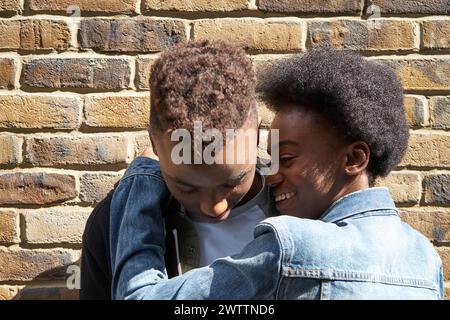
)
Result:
{"points": [[303, 126]]}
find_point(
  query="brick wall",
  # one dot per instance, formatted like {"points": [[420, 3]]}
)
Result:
{"points": [[74, 106]]}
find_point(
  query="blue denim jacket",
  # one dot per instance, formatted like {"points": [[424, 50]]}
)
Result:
{"points": [[358, 249]]}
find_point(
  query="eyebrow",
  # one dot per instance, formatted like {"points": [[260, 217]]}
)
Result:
{"points": [[233, 179], [283, 143]]}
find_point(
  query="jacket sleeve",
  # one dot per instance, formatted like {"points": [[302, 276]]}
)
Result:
{"points": [[137, 253]]}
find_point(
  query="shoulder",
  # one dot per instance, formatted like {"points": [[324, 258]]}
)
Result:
{"points": [[143, 166], [97, 224]]}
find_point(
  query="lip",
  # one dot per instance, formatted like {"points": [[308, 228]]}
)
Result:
{"points": [[221, 217]]}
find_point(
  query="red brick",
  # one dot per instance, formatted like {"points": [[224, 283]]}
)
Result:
{"points": [[25, 265], [36, 188]]}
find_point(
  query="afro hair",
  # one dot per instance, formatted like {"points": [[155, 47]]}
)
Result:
{"points": [[361, 98]]}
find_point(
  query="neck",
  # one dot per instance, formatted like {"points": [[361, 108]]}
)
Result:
{"points": [[357, 183]]}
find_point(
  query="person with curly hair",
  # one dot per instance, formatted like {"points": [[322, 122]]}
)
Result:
{"points": [[213, 207], [341, 125]]}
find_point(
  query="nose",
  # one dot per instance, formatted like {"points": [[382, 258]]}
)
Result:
{"points": [[215, 208], [274, 180]]}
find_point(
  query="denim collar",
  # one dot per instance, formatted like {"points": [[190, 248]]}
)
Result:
{"points": [[359, 202]]}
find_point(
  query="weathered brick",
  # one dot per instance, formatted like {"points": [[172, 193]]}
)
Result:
{"points": [[413, 6], [141, 141], [10, 149], [195, 5], [428, 150], [447, 290], [34, 34], [32, 111], [311, 6], [36, 188], [55, 225], [390, 35], [8, 292], [79, 150], [95, 186], [440, 112], [73, 73], [110, 111], [434, 223], [403, 186], [435, 34], [252, 34], [34, 292], [130, 35], [143, 72], [24, 265], [11, 6], [7, 73], [101, 6], [422, 74], [416, 111], [437, 189], [9, 227], [444, 252]]}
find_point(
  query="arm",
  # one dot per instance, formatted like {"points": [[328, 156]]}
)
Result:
{"points": [[137, 253]]}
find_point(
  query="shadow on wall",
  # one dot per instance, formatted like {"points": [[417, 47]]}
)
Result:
{"points": [[53, 284]]}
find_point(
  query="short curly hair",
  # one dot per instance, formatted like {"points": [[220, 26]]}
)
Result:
{"points": [[208, 81], [361, 98]]}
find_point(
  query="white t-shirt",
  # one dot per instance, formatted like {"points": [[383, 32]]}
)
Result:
{"points": [[230, 236]]}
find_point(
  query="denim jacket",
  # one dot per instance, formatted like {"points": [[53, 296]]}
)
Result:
{"points": [[358, 249]]}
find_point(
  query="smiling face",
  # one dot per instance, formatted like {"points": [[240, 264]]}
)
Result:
{"points": [[313, 160]]}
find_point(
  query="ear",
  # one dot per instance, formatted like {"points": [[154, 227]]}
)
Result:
{"points": [[357, 158], [152, 144]]}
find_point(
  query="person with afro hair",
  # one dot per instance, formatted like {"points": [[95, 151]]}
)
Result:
{"points": [[341, 125]]}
